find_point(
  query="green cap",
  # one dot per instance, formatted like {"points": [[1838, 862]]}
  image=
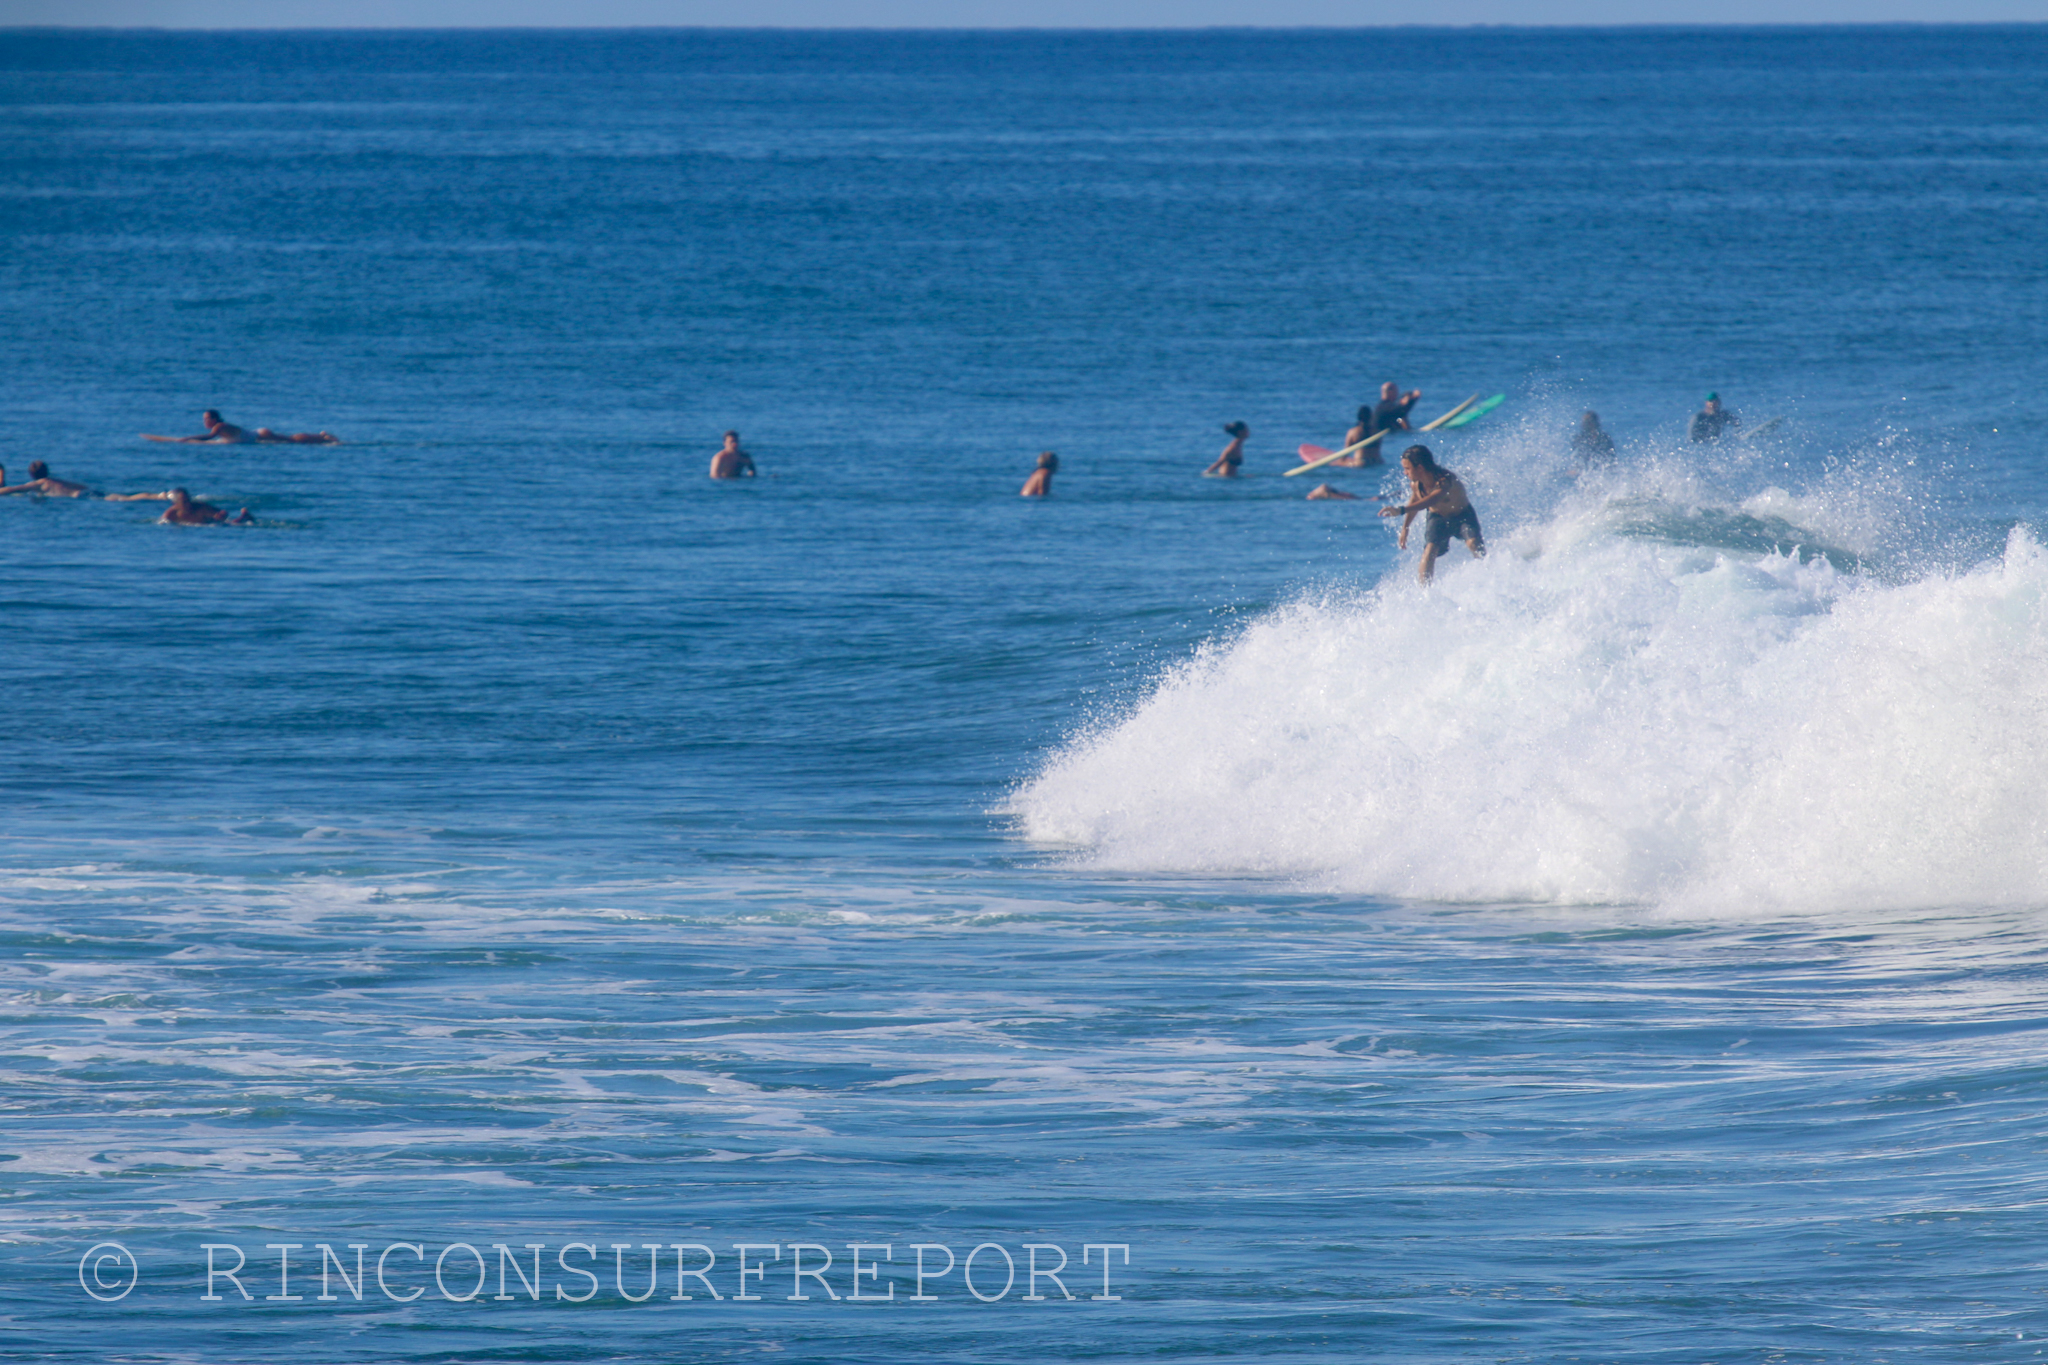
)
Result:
{"points": [[1713, 398]]}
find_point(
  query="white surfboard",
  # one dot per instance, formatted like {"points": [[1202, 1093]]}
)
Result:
{"points": [[1317, 462]]}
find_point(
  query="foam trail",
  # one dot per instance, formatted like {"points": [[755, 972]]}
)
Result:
{"points": [[1597, 715]]}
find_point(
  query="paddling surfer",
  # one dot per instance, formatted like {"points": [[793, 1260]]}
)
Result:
{"points": [[1040, 483], [1324, 492], [1710, 421], [218, 432], [731, 462], [1439, 493], [186, 510], [1233, 454], [40, 483]]}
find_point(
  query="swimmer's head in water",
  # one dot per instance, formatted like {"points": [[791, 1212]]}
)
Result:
{"points": [[1048, 461], [180, 496], [732, 436], [209, 417], [38, 470], [1591, 421], [1237, 429]]}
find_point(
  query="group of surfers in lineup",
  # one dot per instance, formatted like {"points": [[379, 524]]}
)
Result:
{"points": [[1434, 492], [184, 509]]}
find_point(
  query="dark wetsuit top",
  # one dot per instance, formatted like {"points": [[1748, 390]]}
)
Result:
{"points": [[1592, 447], [1708, 426], [1389, 414]]}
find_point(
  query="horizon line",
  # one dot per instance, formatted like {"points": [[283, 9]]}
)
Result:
{"points": [[1674, 24]]}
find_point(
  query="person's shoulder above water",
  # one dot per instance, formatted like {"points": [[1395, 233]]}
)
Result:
{"points": [[1712, 420], [1226, 464], [1040, 483], [731, 462], [1590, 443]]}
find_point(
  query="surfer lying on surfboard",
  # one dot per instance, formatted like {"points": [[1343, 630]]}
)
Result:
{"points": [[223, 433], [186, 510], [40, 482]]}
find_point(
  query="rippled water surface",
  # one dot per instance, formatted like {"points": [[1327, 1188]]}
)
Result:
{"points": [[518, 873]]}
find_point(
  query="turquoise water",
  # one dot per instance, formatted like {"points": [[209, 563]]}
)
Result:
{"points": [[1629, 949]]}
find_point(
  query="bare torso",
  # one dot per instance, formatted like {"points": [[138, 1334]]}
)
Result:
{"points": [[732, 463], [50, 488]]}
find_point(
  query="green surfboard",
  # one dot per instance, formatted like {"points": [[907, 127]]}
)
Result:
{"points": [[1474, 413]]}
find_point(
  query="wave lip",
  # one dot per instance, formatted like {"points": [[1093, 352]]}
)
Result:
{"points": [[1599, 719]]}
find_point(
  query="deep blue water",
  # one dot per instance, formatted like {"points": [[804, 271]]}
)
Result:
{"points": [[1630, 949]]}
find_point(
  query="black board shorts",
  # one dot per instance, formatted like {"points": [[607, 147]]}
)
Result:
{"points": [[1438, 529]]}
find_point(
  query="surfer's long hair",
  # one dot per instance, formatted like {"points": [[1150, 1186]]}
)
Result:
{"points": [[1420, 457]]}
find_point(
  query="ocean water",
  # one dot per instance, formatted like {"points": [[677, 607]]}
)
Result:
{"points": [[518, 873]]}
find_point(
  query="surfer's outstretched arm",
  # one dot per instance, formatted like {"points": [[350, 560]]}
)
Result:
{"points": [[1408, 511]]}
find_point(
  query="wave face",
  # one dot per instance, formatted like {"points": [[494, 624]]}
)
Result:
{"points": [[1636, 699]]}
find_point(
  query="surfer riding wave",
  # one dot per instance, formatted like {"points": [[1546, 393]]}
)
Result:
{"points": [[1600, 713]]}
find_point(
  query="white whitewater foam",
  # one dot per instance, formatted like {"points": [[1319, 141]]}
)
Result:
{"points": [[1592, 718]]}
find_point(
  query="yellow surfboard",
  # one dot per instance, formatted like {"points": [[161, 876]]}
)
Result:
{"points": [[1452, 413], [1373, 439]]}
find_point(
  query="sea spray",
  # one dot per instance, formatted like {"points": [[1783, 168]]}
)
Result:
{"points": [[1593, 715]]}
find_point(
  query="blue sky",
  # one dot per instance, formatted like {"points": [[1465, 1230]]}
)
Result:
{"points": [[991, 13]]}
